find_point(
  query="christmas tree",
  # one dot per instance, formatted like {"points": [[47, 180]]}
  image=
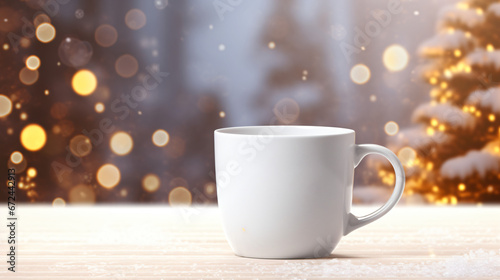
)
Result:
{"points": [[453, 154]]}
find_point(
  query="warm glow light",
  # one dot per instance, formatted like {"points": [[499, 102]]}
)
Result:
{"points": [[121, 143], [108, 176], [58, 202], [453, 200], [444, 85], [434, 122], [222, 114], [490, 48], [407, 156], [160, 138], [151, 183], [45, 32], [461, 187], [16, 157], [391, 128], [179, 196], [435, 189], [433, 80], [491, 117], [31, 172], [82, 194], [99, 107], [5, 106], [457, 53], [32, 62], [463, 6], [33, 137], [84, 82], [271, 45], [80, 145], [360, 74], [430, 131], [395, 58], [442, 127]]}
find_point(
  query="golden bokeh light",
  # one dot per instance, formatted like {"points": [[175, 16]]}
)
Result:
{"points": [[491, 117], [108, 176], [82, 194], [105, 35], [32, 62], [80, 145], [360, 74], [121, 143], [391, 128], [41, 18], [84, 82], [407, 156], [27, 76], [23, 116], [210, 188], [179, 196], [45, 32], [135, 19], [222, 114], [33, 137], [16, 157], [5, 106], [490, 48], [58, 202], [160, 138], [395, 58], [271, 45], [31, 172], [461, 187], [151, 183], [99, 107], [126, 66]]}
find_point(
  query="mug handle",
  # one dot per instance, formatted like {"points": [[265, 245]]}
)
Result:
{"points": [[360, 151]]}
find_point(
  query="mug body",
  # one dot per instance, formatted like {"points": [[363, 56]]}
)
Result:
{"points": [[284, 191]]}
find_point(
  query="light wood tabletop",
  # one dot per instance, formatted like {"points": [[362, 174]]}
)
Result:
{"points": [[159, 242]]}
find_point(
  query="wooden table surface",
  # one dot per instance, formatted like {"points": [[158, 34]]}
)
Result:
{"points": [[153, 242]]}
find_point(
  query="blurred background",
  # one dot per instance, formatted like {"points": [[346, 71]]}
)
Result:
{"points": [[116, 101]]}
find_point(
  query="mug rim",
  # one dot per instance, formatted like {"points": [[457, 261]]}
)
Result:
{"points": [[305, 130]]}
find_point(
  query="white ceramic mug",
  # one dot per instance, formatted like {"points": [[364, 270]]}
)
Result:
{"points": [[286, 191]]}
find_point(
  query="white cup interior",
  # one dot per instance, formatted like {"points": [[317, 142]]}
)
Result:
{"points": [[286, 130]]}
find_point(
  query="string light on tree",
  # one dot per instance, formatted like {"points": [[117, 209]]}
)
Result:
{"points": [[456, 133]]}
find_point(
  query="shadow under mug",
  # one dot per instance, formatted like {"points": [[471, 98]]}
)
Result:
{"points": [[286, 191]]}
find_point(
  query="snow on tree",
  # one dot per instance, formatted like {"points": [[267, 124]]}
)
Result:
{"points": [[453, 154]]}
